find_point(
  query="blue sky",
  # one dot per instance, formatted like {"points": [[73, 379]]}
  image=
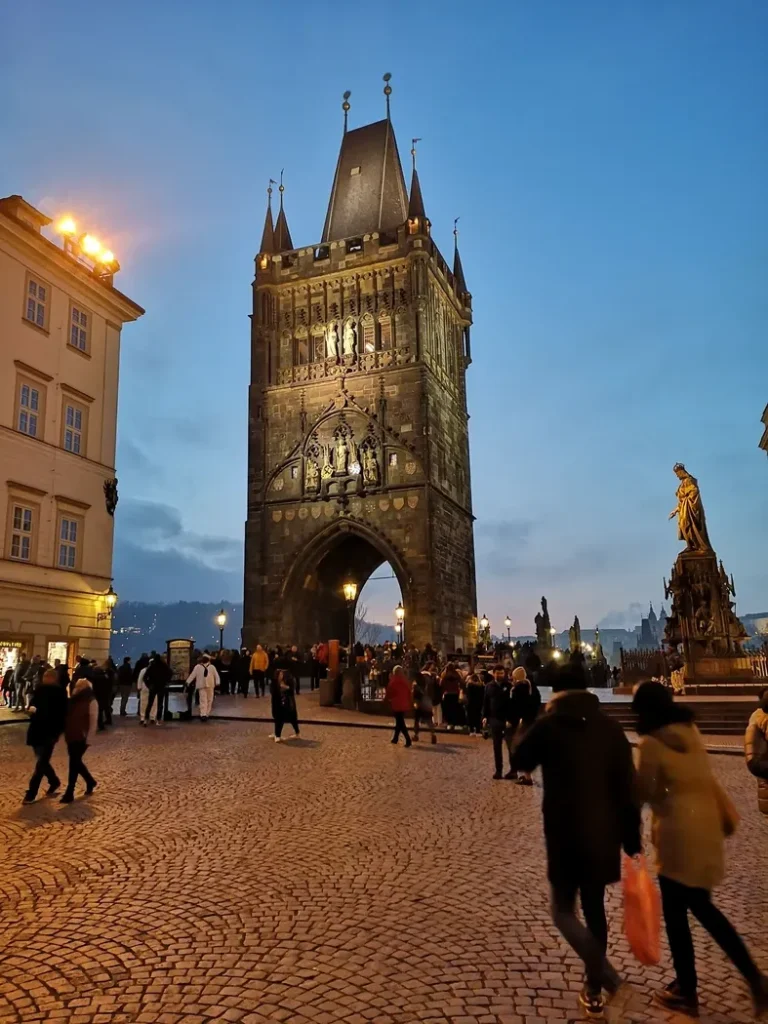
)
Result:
{"points": [[608, 161]]}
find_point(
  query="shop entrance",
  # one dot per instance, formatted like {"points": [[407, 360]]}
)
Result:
{"points": [[10, 654]]}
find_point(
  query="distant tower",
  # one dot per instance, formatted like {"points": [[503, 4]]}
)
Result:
{"points": [[358, 426]]}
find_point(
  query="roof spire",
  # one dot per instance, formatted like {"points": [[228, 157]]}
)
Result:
{"points": [[283, 240], [345, 108], [268, 235], [417, 215], [458, 270], [387, 90]]}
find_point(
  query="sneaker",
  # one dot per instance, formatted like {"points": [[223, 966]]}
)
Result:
{"points": [[671, 998], [409, 744], [278, 739], [29, 798], [142, 722], [760, 996], [90, 789], [67, 798], [52, 790], [497, 775], [592, 1003]]}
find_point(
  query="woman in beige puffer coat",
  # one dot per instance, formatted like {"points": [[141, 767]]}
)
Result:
{"points": [[691, 816], [756, 750]]}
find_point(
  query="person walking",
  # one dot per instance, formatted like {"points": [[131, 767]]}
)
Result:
{"points": [[590, 813], [399, 697], [78, 725], [283, 694], [62, 672], [524, 708], [205, 679], [691, 817], [124, 685], [156, 679], [259, 668], [102, 691], [496, 716], [450, 686], [422, 705], [474, 695], [20, 682], [47, 709], [756, 750]]}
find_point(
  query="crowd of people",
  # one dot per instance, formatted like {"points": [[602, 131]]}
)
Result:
{"points": [[594, 790]]}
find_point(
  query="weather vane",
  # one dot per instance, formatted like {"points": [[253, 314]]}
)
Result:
{"points": [[413, 151]]}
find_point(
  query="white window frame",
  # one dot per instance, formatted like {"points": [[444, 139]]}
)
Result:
{"points": [[30, 406], [74, 434], [37, 300], [22, 530], [68, 542], [79, 328]]}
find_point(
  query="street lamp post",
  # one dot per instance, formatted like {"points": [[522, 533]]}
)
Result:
{"points": [[508, 624], [552, 634], [400, 621], [350, 595], [485, 629], [221, 621], [110, 600]]}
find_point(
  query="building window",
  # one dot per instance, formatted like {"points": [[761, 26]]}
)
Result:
{"points": [[21, 532], [393, 459], [74, 428], [69, 530], [302, 351], [318, 342], [369, 336], [29, 409], [79, 327], [38, 298], [385, 333], [294, 472]]}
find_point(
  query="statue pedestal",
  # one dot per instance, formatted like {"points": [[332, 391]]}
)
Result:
{"points": [[702, 626]]}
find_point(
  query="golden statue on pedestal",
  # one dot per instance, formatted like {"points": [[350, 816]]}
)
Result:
{"points": [[691, 522]]}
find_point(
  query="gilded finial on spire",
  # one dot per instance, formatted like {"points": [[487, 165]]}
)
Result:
{"points": [[282, 188], [413, 151], [387, 90], [269, 191], [345, 108], [455, 233]]}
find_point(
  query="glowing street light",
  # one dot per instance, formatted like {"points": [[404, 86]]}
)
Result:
{"points": [[400, 620], [91, 246], [221, 621], [508, 624], [67, 227], [350, 596], [110, 600]]}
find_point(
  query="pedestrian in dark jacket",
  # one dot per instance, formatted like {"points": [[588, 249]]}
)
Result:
{"points": [[156, 679], [524, 708], [474, 697], [141, 663], [423, 710], [399, 697], [63, 674], [47, 709], [450, 686], [124, 685], [590, 813], [282, 690], [20, 676], [496, 716], [102, 691], [77, 726], [82, 670], [756, 750]]}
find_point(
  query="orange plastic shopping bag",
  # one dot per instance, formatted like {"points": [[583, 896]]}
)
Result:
{"points": [[642, 911]]}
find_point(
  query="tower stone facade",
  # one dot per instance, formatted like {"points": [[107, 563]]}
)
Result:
{"points": [[358, 425]]}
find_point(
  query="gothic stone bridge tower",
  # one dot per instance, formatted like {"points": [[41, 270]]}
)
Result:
{"points": [[358, 426]]}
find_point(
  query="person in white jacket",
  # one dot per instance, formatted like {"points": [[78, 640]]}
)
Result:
{"points": [[205, 677]]}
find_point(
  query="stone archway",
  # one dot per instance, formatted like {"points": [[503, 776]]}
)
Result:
{"points": [[312, 598]]}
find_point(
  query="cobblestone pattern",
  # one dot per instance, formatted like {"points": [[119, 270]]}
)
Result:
{"points": [[217, 876]]}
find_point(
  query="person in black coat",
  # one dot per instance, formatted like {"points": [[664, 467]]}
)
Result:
{"points": [[496, 715], [47, 709], [283, 694], [590, 813], [524, 708], [102, 691]]}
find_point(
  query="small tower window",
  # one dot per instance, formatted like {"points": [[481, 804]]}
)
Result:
{"points": [[385, 333], [302, 351], [294, 472], [318, 347], [369, 336]]}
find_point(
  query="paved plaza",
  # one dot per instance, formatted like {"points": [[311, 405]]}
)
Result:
{"points": [[215, 875]]}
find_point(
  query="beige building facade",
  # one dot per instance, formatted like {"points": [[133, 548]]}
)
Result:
{"points": [[60, 325]]}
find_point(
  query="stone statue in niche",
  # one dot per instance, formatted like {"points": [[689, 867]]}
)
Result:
{"points": [[341, 456], [332, 342], [370, 466], [350, 339], [312, 476]]}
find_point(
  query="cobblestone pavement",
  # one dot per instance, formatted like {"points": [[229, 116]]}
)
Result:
{"points": [[215, 875]]}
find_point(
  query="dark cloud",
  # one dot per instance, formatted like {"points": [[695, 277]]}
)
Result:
{"points": [[155, 555]]}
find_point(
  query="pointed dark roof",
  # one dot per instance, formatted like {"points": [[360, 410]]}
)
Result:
{"points": [[416, 202], [368, 191], [283, 240], [268, 235], [458, 271]]}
